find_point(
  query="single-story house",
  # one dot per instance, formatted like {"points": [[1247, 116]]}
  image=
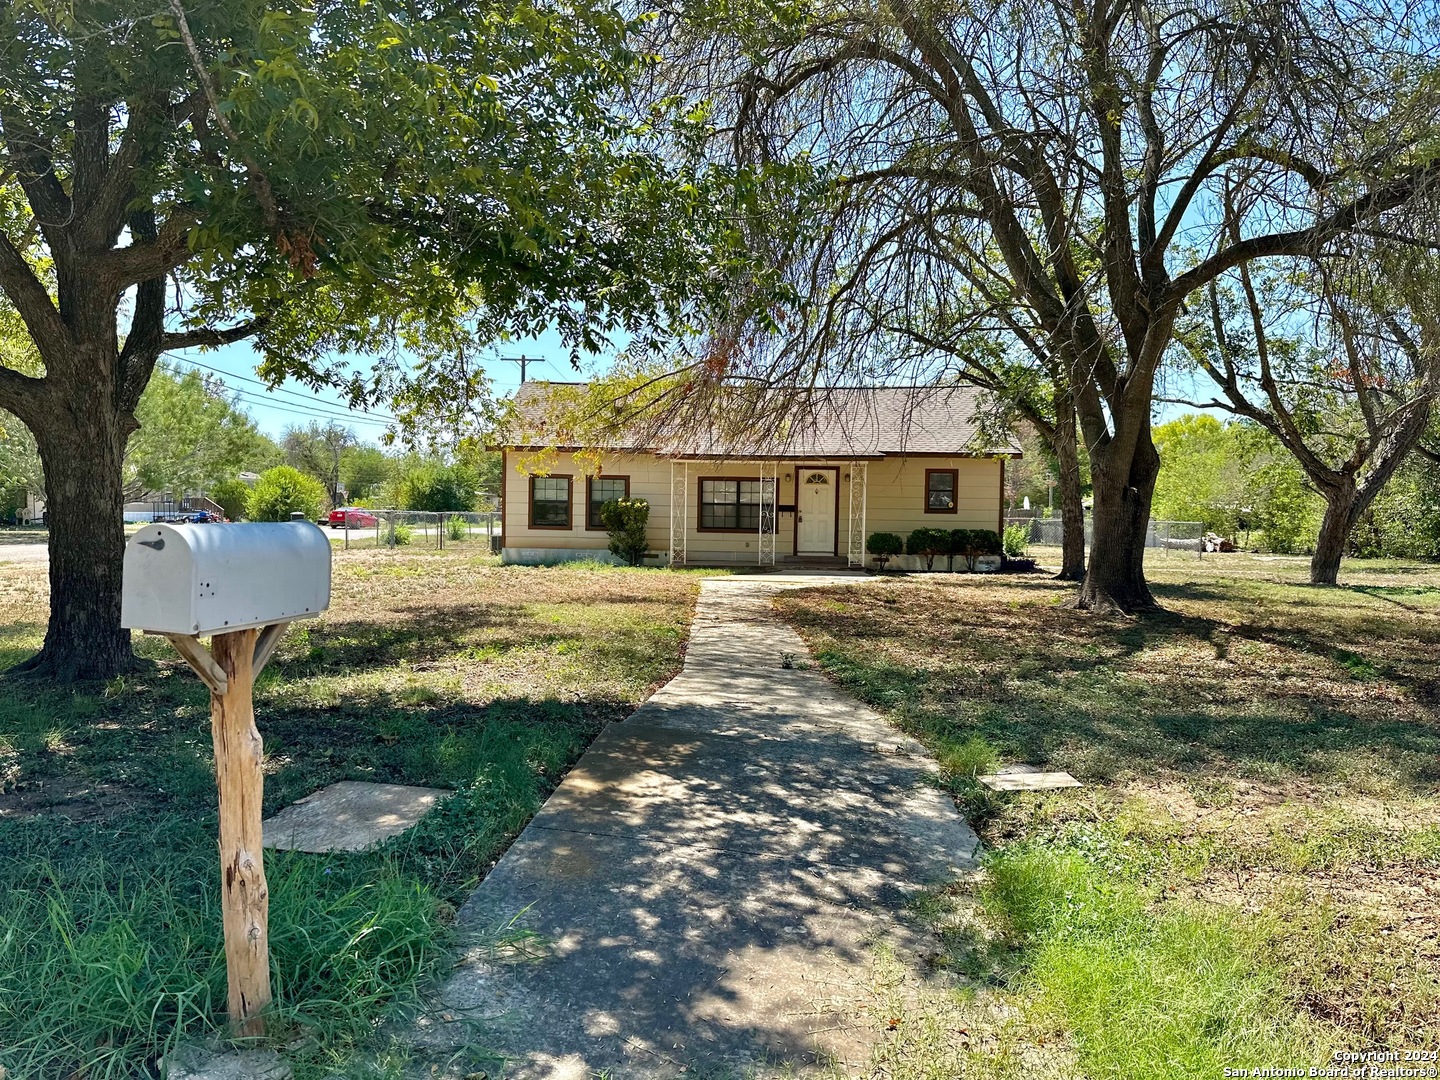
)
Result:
{"points": [[866, 460]]}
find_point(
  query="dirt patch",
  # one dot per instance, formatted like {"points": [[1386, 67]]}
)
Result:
{"points": [[72, 798]]}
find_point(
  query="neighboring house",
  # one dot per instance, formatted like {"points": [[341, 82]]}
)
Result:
{"points": [[878, 459]]}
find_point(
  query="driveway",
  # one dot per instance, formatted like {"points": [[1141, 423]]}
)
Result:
{"points": [[26, 554], [707, 885]]}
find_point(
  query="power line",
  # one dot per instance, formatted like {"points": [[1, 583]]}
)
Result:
{"points": [[319, 411], [296, 410], [272, 390]]}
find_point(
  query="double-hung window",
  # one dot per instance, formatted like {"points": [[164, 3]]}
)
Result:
{"points": [[550, 502], [603, 489], [730, 504], [940, 485]]}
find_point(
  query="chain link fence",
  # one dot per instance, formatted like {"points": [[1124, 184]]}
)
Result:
{"points": [[421, 529], [1162, 536]]}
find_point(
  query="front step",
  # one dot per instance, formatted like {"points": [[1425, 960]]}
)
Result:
{"points": [[814, 562]]}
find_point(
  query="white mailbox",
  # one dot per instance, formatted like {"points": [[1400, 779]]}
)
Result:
{"points": [[209, 579]]}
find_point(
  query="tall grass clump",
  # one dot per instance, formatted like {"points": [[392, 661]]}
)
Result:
{"points": [[1173, 992], [111, 950]]}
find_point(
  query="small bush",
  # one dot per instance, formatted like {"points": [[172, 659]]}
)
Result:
{"points": [[283, 491], [401, 535], [455, 529], [884, 546], [1016, 540], [972, 544], [928, 543], [625, 519], [232, 495]]}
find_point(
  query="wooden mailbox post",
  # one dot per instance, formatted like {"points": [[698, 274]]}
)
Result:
{"points": [[240, 585]]}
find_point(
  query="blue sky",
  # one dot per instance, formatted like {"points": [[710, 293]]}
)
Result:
{"points": [[293, 403]]}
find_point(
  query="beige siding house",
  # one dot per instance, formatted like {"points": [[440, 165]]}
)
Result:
{"points": [[871, 460]]}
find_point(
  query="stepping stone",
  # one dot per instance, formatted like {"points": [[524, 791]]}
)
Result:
{"points": [[197, 1063], [349, 816], [1028, 778]]}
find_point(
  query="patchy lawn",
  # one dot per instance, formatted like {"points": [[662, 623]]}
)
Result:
{"points": [[1251, 875], [431, 668]]}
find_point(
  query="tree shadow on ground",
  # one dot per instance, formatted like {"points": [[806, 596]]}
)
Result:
{"points": [[1254, 694]]}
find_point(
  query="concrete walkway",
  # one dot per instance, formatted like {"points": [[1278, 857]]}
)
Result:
{"points": [[708, 882]]}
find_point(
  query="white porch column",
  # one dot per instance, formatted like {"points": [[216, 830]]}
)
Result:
{"points": [[679, 510], [769, 512], [855, 542]]}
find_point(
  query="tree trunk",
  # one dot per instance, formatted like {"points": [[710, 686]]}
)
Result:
{"points": [[1115, 576], [1330, 545], [81, 447], [1343, 507], [1072, 508]]}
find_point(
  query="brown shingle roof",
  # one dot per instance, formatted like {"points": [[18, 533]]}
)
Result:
{"points": [[872, 421]]}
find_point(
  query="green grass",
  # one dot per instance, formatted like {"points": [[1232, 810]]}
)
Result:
{"points": [[1252, 860], [1177, 993], [440, 669], [109, 959]]}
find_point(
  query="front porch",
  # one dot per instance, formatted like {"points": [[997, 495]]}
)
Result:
{"points": [[774, 512]]}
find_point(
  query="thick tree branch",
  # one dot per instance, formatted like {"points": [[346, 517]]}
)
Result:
{"points": [[189, 339], [146, 260], [20, 394], [24, 290], [1308, 240]]}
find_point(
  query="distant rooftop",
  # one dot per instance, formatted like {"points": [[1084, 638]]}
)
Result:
{"points": [[833, 422]]}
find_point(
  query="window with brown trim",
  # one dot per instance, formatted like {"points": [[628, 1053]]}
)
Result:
{"points": [[550, 502], [598, 491], [730, 504], [940, 485]]}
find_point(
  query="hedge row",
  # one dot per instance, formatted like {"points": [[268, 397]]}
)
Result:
{"points": [[970, 544]]}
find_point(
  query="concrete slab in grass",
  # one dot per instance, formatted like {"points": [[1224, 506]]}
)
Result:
{"points": [[349, 816], [1028, 780]]}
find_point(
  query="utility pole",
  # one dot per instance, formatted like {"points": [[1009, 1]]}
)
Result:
{"points": [[522, 361]]}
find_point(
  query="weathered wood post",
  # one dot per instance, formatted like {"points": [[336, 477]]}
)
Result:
{"points": [[240, 781], [242, 585]]}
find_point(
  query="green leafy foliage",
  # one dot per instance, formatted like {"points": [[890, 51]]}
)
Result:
{"points": [[1404, 519], [1016, 540], [884, 546], [364, 470], [927, 544], [972, 544], [625, 520], [438, 488], [1202, 474], [282, 491], [319, 451], [233, 496], [192, 436]]}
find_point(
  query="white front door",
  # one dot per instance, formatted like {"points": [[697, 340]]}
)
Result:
{"points": [[815, 504]]}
